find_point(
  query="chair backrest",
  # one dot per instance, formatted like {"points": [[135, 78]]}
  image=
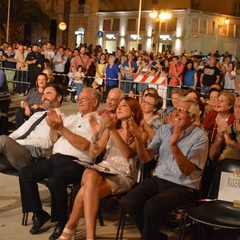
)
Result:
{"points": [[226, 165]]}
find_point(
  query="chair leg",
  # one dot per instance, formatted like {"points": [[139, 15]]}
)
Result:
{"points": [[121, 224], [25, 219], [182, 226], [100, 216]]}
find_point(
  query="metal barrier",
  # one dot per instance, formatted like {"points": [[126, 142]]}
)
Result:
{"points": [[18, 76], [141, 82]]}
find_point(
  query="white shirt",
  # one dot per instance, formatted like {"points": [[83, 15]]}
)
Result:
{"points": [[61, 66], [80, 126], [39, 137], [229, 83]]}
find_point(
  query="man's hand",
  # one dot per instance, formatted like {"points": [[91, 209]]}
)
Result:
{"points": [[35, 106], [27, 111], [54, 120], [177, 133], [108, 122]]}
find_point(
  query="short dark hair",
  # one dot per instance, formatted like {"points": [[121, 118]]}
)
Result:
{"points": [[58, 90]]}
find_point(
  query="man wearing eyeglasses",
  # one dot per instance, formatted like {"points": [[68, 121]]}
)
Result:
{"points": [[71, 138], [182, 149]]}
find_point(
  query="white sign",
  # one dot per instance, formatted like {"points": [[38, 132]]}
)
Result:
{"points": [[229, 188]]}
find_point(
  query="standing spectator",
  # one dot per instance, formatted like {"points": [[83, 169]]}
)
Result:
{"points": [[79, 78], [3, 82], [118, 56], [9, 62], [35, 61], [229, 78], [237, 80], [112, 71], [210, 75], [128, 68], [59, 62], [143, 70], [22, 68], [49, 55], [100, 69], [81, 59], [190, 75], [175, 72]]}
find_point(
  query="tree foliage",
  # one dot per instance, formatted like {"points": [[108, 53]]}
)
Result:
{"points": [[21, 12]]}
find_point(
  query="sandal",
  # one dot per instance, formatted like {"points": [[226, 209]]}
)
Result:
{"points": [[67, 234]]}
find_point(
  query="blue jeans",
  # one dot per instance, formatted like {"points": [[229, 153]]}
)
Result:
{"points": [[150, 202], [79, 87]]}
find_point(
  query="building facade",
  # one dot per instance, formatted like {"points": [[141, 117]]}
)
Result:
{"points": [[114, 24]]}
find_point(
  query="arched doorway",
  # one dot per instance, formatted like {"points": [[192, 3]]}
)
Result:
{"points": [[79, 36]]}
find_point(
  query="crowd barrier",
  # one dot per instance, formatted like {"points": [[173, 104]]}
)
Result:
{"points": [[138, 83]]}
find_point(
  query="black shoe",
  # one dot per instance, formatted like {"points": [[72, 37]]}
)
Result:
{"points": [[57, 231], [39, 221]]}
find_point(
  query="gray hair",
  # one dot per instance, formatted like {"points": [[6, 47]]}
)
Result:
{"points": [[96, 94], [194, 109]]}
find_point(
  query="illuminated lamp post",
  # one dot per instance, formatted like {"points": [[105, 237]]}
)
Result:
{"points": [[163, 16]]}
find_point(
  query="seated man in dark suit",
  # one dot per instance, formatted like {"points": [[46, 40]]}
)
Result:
{"points": [[71, 138]]}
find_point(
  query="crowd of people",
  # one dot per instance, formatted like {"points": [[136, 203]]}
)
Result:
{"points": [[179, 146]]}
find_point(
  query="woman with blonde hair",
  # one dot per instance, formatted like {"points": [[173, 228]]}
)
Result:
{"points": [[48, 71]]}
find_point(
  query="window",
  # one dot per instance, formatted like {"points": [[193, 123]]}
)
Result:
{"points": [[211, 26], [231, 30], [195, 4], [238, 31], [195, 25], [116, 24], [107, 25], [143, 24], [222, 30], [203, 25], [236, 8], [172, 25], [131, 25]]}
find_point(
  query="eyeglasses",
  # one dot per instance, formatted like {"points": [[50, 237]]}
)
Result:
{"points": [[85, 99], [181, 110], [147, 103]]}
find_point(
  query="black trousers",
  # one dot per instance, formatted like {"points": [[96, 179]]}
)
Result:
{"points": [[60, 171], [150, 202]]}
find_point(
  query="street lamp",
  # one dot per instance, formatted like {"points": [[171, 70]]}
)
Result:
{"points": [[163, 16], [8, 19]]}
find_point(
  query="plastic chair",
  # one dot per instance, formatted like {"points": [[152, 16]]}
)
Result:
{"points": [[214, 212]]}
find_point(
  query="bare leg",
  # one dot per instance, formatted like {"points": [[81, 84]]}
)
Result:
{"points": [[95, 188]]}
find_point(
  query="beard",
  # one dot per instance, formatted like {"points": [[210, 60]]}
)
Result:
{"points": [[47, 104]]}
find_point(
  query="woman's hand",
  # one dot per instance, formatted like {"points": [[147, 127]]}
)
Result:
{"points": [[135, 130], [228, 139]]}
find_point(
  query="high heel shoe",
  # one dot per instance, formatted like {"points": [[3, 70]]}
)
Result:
{"points": [[67, 234]]}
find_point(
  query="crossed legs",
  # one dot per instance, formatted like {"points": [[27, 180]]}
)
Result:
{"points": [[94, 188]]}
